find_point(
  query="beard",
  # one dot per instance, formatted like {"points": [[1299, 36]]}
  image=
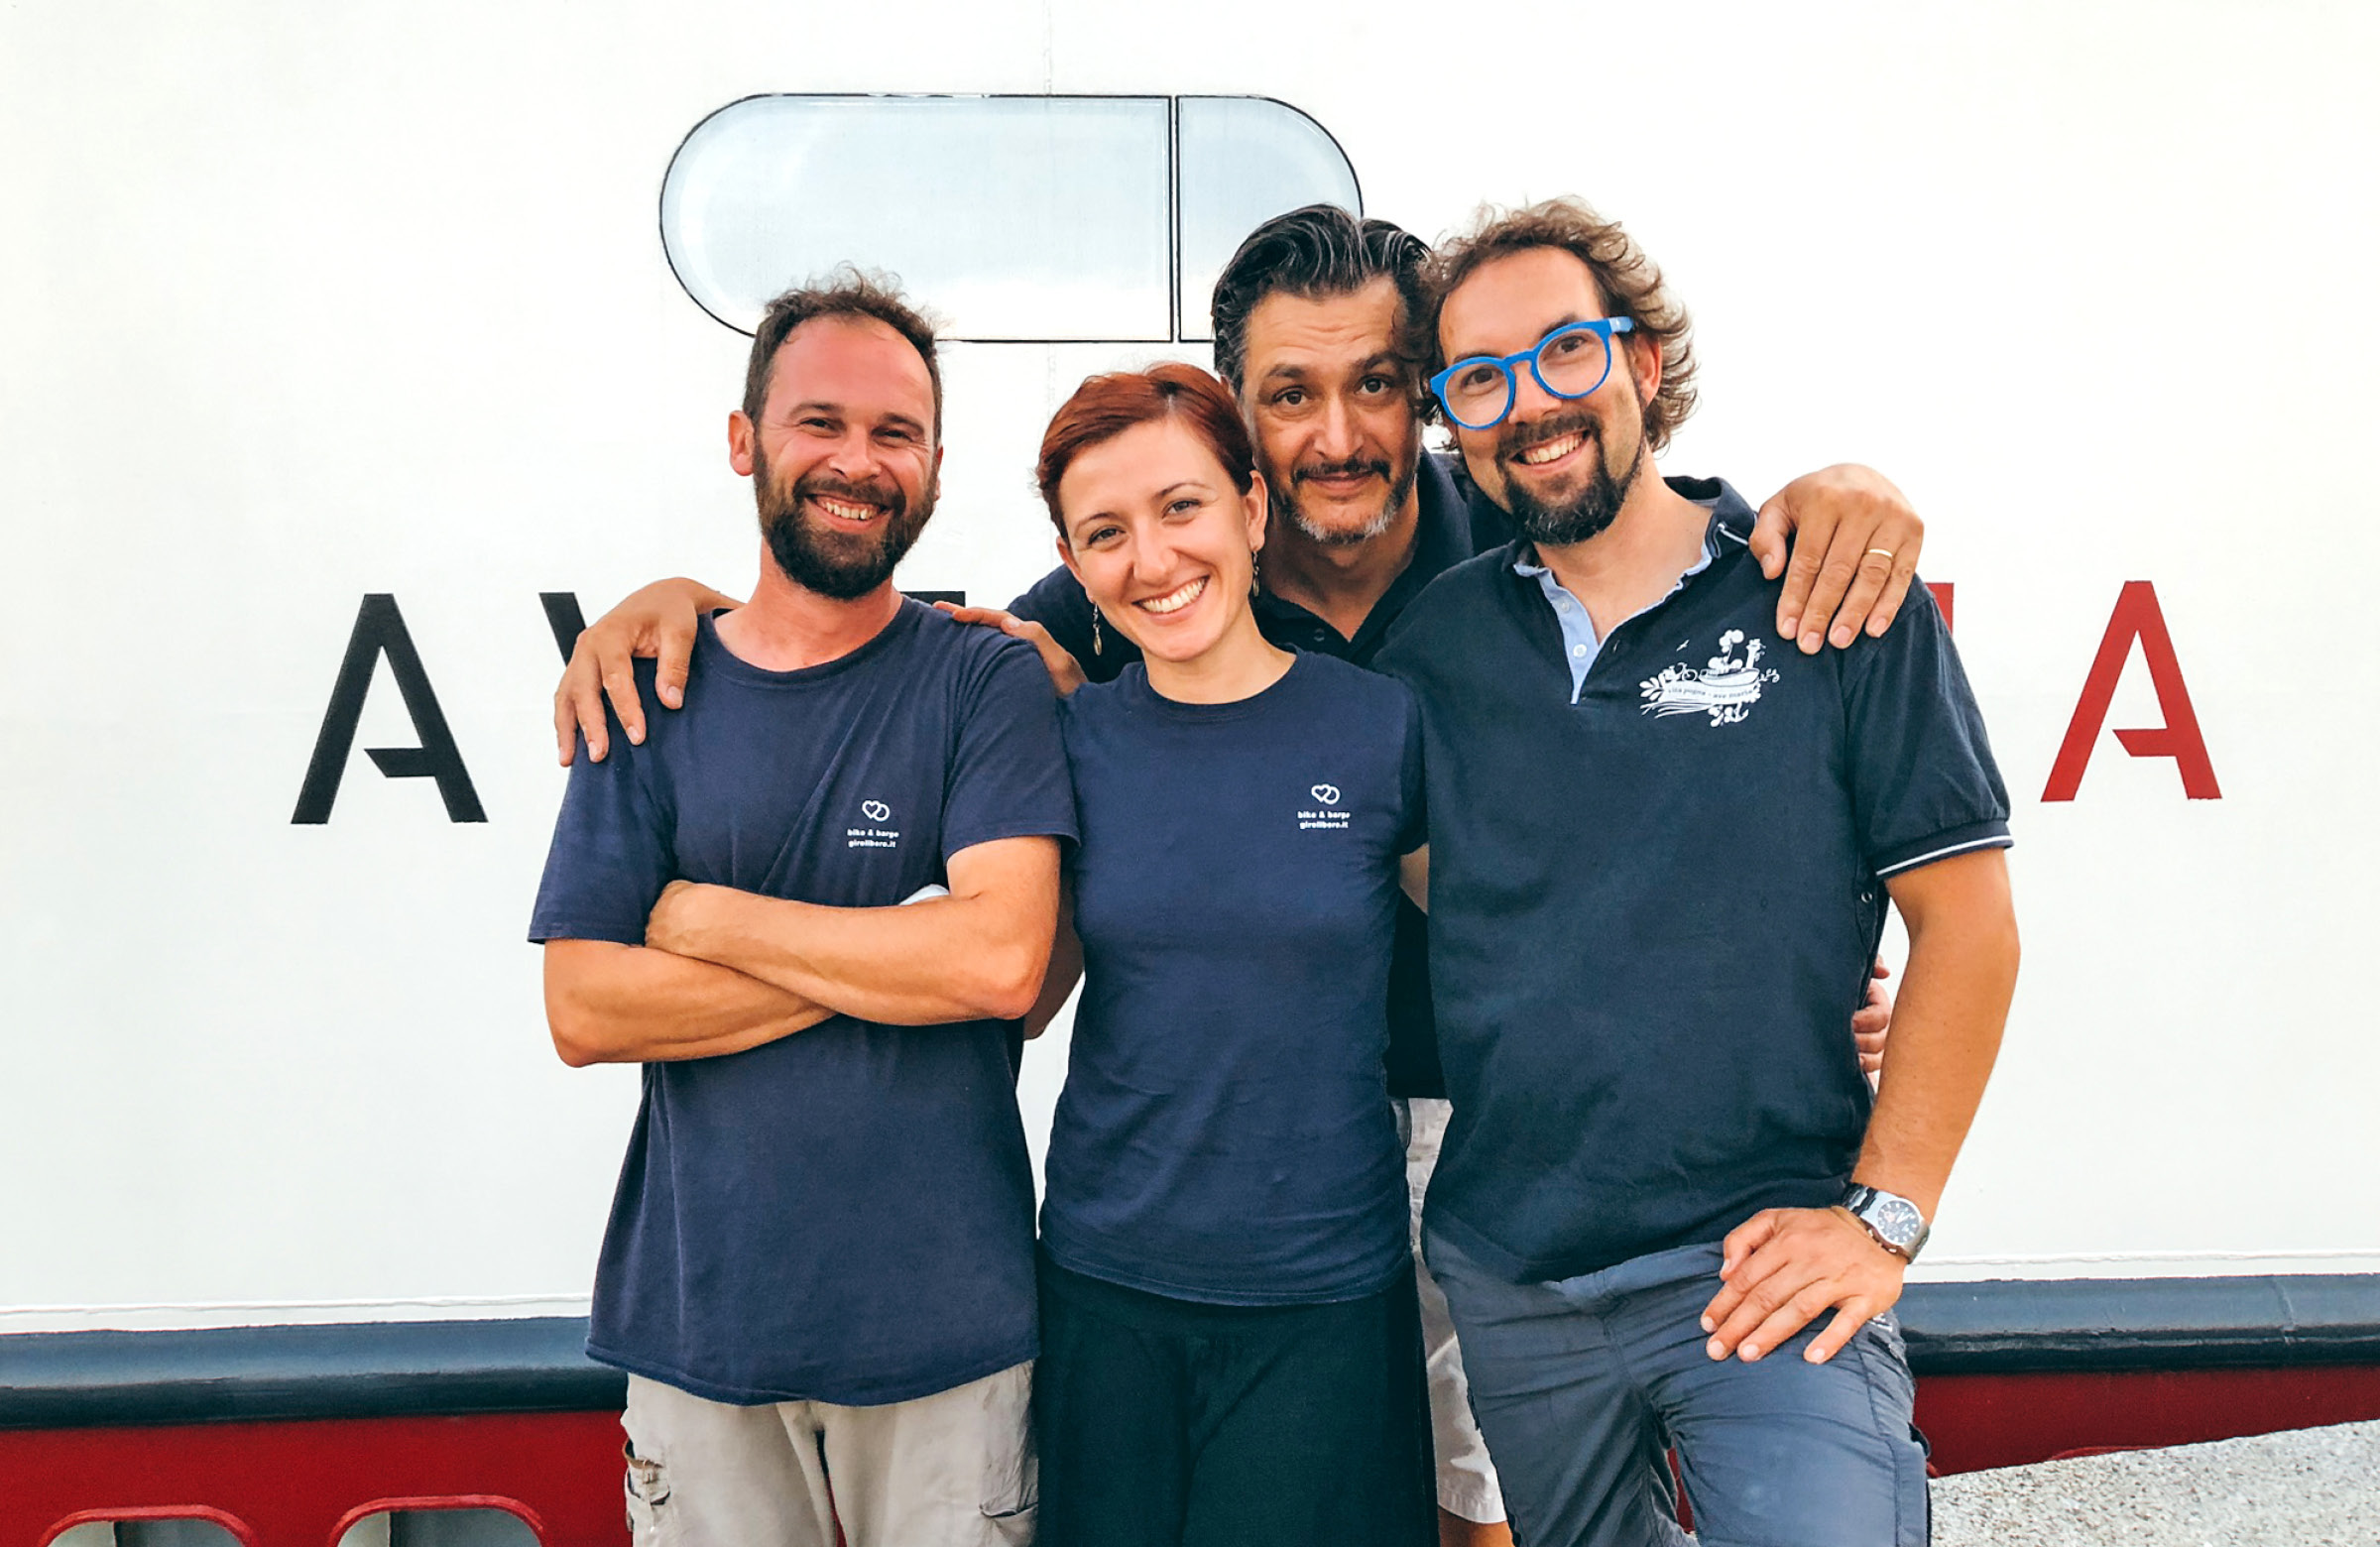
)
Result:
{"points": [[845, 566], [1399, 489], [1582, 515]]}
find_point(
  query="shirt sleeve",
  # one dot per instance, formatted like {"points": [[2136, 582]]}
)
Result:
{"points": [[1924, 784], [1008, 778], [612, 851], [1057, 603]]}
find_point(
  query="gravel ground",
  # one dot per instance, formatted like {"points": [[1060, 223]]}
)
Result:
{"points": [[2308, 1487]]}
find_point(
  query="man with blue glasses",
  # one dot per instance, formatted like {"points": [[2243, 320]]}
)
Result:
{"points": [[1661, 855]]}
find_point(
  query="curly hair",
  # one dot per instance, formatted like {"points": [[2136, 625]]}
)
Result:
{"points": [[845, 292], [1629, 282]]}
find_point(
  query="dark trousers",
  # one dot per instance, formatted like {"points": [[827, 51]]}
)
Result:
{"points": [[1167, 1423]]}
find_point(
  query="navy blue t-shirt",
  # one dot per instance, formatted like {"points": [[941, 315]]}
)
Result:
{"points": [[843, 1215], [1225, 1134], [1454, 522], [1652, 910]]}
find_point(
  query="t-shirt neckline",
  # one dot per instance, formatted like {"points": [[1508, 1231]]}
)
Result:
{"points": [[729, 664], [1141, 693]]}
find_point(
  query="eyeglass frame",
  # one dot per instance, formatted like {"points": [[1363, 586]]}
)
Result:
{"points": [[1602, 327]]}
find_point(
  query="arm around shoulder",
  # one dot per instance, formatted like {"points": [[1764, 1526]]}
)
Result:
{"points": [[658, 620]]}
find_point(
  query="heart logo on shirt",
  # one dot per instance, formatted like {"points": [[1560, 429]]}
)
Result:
{"points": [[875, 810], [1328, 794]]}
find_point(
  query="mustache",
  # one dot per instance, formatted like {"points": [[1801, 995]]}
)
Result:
{"points": [[1517, 438], [1377, 466]]}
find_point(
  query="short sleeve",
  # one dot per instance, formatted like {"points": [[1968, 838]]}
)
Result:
{"points": [[1924, 785], [1007, 776], [612, 851]]}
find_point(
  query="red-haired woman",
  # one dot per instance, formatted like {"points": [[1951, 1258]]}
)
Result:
{"points": [[1231, 1343]]}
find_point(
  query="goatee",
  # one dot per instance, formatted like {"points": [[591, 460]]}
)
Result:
{"points": [[845, 566], [1398, 490], [1582, 515]]}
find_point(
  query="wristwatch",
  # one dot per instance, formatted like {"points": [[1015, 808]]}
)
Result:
{"points": [[1892, 1219]]}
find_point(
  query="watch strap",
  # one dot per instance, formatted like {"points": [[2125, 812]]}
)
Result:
{"points": [[1860, 1203]]}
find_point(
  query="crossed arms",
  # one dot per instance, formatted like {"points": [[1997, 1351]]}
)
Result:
{"points": [[722, 971]]}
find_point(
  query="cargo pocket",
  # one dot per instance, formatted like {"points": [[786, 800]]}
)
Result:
{"points": [[1884, 1359], [647, 1485], [1012, 1494]]}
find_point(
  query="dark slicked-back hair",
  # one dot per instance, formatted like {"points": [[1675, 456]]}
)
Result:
{"points": [[1627, 282], [1316, 251], [845, 292]]}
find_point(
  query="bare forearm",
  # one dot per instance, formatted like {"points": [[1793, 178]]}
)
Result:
{"points": [[1945, 1036], [942, 960], [619, 1004], [706, 599]]}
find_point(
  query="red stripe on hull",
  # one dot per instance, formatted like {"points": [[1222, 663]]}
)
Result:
{"points": [[1980, 1421], [293, 1482]]}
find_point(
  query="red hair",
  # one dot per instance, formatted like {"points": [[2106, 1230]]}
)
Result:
{"points": [[1105, 407]]}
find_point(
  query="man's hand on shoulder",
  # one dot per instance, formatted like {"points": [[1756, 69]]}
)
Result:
{"points": [[658, 619], [1853, 543], [1782, 1267], [1065, 672]]}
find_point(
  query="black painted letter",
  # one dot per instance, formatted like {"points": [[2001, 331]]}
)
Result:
{"points": [[564, 619], [380, 630]]}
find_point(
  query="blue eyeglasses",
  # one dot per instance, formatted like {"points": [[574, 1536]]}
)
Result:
{"points": [[1570, 362]]}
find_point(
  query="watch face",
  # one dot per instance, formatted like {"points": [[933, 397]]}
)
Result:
{"points": [[1895, 1219]]}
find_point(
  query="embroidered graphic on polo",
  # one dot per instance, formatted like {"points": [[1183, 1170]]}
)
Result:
{"points": [[1326, 812], [1726, 690], [876, 835]]}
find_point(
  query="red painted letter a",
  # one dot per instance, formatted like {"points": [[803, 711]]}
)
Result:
{"points": [[2137, 617]]}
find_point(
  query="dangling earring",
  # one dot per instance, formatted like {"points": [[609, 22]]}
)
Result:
{"points": [[1097, 647], [1256, 573]]}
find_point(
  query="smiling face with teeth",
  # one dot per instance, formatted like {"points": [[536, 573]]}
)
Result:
{"points": [[844, 458], [1163, 540], [1561, 466], [1331, 402]]}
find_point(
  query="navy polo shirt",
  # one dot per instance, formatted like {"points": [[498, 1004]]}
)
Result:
{"points": [[1452, 524], [844, 1215], [1223, 1136], [1653, 910]]}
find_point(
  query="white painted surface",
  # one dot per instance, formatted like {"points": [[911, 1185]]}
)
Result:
{"points": [[301, 303]]}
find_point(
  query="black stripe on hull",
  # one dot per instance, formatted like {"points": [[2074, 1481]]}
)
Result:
{"points": [[380, 1369]]}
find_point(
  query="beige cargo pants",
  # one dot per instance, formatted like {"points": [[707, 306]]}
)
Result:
{"points": [[951, 1470]]}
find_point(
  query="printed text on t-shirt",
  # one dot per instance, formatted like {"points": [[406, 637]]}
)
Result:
{"points": [[1322, 814], [873, 836]]}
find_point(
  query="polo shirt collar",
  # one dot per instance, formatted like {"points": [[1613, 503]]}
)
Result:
{"points": [[1441, 541], [1729, 527]]}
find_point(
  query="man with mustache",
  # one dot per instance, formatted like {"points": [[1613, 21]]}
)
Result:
{"points": [[820, 1268], [1313, 320], [1662, 1165]]}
